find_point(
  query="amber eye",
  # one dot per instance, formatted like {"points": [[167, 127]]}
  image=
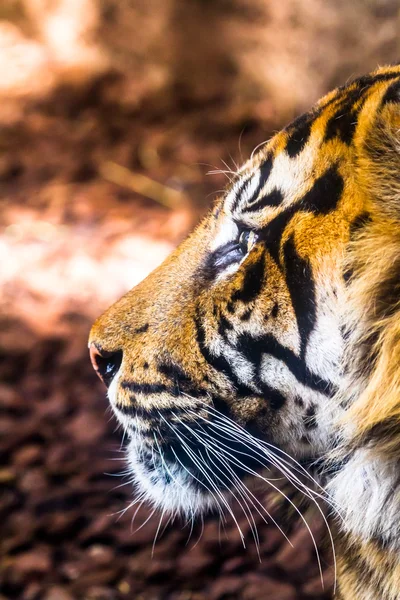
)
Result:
{"points": [[247, 240]]}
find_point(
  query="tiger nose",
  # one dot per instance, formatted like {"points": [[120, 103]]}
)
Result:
{"points": [[106, 364]]}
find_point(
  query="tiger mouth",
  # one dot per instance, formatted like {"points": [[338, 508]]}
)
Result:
{"points": [[165, 484], [194, 459], [196, 468]]}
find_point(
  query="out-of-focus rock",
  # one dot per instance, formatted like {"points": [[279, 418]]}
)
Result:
{"points": [[35, 561], [56, 592], [265, 587]]}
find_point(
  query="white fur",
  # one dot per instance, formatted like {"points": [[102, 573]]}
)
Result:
{"points": [[178, 495], [277, 375], [366, 495], [325, 345], [112, 390], [227, 231]]}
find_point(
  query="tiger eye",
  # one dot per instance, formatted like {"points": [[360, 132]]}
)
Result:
{"points": [[247, 240], [244, 239]]}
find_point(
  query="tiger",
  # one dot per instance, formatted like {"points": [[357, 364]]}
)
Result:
{"points": [[270, 338]]}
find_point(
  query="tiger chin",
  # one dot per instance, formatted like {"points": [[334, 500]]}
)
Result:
{"points": [[270, 338]]}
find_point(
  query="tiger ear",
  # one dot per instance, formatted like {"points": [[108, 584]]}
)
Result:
{"points": [[373, 293]]}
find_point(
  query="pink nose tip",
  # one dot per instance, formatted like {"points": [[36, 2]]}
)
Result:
{"points": [[94, 356]]}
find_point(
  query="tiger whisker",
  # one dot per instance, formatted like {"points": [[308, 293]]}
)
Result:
{"points": [[281, 464], [168, 521], [125, 431], [135, 513], [201, 532], [304, 489], [308, 493], [191, 474], [165, 464], [146, 521], [237, 451], [278, 462], [218, 492], [117, 487], [157, 532], [191, 520], [247, 437], [121, 513], [233, 172], [259, 443], [232, 159], [206, 475], [245, 498], [221, 514], [248, 513], [254, 473], [256, 148], [221, 172], [228, 458]]}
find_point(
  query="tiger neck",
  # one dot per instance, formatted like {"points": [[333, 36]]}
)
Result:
{"points": [[367, 493], [366, 571]]}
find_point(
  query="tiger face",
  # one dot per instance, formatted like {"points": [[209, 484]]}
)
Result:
{"points": [[230, 357]]}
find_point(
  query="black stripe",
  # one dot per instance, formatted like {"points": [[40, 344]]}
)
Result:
{"points": [[346, 96], [173, 372], [253, 281], [392, 94], [300, 282], [309, 419], [274, 198], [274, 398], [223, 325], [239, 193], [219, 363], [325, 194], [300, 131], [265, 171], [348, 275], [254, 349], [274, 312], [146, 388], [342, 125], [344, 121], [358, 223], [151, 414], [321, 199], [368, 80], [142, 329], [362, 84], [133, 410], [272, 233], [246, 315]]}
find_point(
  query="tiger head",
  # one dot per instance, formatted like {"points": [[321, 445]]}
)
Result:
{"points": [[262, 340]]}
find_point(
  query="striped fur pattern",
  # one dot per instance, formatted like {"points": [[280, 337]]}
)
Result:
{"points": [[271, 337]]}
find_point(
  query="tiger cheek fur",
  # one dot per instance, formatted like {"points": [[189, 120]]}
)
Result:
{"points": [[271, 335]]}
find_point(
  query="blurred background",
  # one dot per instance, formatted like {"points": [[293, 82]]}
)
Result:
{"points": [[112, 114]]}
